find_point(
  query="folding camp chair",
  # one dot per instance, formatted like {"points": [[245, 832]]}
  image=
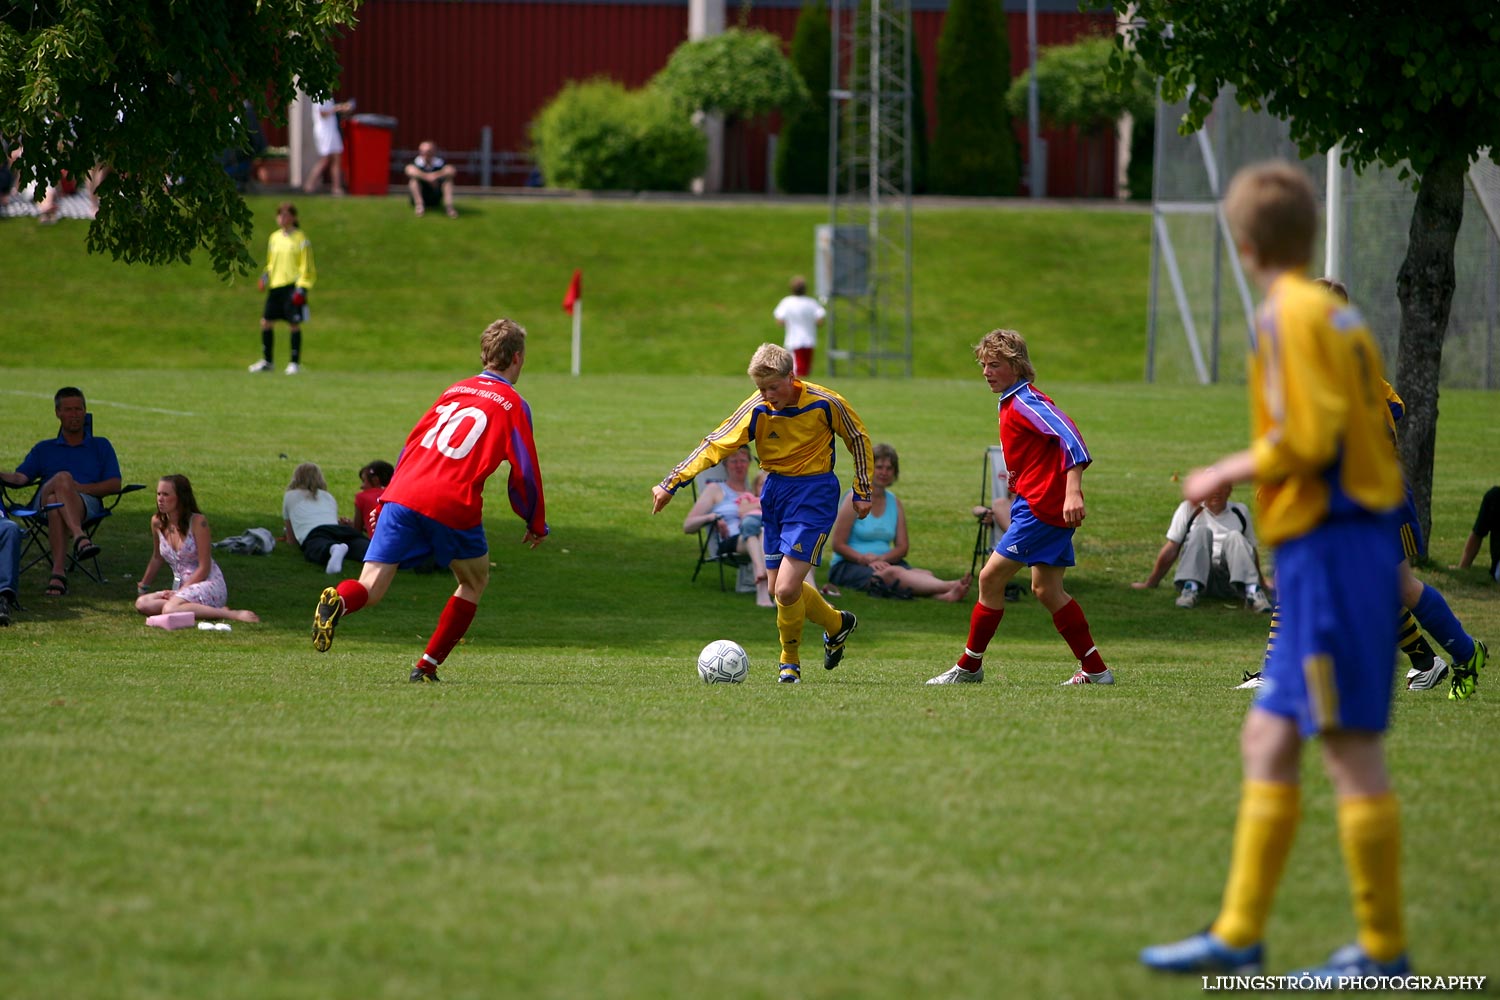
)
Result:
{"points": [[994, 485], [708, 535], [33, 518]]}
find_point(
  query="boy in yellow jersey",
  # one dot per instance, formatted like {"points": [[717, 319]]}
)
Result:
{"points": [[288, 275], [793, 424], [1329, 489]]}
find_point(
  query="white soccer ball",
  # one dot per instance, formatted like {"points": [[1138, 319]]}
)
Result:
{"points": [[723, 661]]}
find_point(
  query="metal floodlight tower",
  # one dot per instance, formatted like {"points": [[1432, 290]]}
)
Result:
{"points": [[864, 253]]}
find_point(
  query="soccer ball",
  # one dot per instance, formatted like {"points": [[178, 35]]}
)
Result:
{"points": [[723, 661]]}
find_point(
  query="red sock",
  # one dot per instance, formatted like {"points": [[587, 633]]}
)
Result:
{"points": [[1074, 628], [452, 624], [354, 594], [982, 624]]}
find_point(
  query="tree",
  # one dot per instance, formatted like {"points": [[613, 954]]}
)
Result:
{"points": [[1074, 89], [158, 91], [974, 151], [739, 73], [1388, 84], [802, 153], [599, 136]]}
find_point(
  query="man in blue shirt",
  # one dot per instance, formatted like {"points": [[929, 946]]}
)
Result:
{"points": [[75, 469]]}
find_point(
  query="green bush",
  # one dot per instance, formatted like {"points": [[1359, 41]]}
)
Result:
{"points": [[741, 73], [974, 151], [597, 135], [802, 154]]}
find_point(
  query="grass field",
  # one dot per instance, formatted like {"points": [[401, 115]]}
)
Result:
{"points": [[572, 814], [676, 288]]}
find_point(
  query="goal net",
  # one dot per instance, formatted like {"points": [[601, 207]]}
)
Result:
{"points": [[1201, 304]]}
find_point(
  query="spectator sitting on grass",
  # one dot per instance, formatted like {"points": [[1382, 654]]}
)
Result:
{"points": [[311, 519], [1218, 557], [430, 181], [373, 479]]}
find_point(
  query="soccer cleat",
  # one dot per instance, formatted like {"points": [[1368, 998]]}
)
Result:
{"points": [[1084, 677], [958, 675], [1350, 962], [1250, 681], [1426, 680], [791, 673], [1466, 677], [292, 368], [833, 645], [1204, 953], [1188, 598], [1259, 602], [420, 676], [330, 610], [261, 366]]}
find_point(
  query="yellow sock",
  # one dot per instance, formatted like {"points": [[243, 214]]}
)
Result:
{"points": [[819, 611], [789, 621], [1263, 835], [1370, 834]]}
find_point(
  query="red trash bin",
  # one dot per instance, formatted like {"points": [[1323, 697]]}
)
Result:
{"points": [[367, 153]]}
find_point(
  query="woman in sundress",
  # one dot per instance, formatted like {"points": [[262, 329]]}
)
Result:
{"points": [[180, 539]]}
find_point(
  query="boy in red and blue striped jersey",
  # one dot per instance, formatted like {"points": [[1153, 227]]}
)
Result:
{"points": [[1046, 457]]}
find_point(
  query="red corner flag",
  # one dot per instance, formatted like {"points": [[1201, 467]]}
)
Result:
{"points": [[574, 293]]}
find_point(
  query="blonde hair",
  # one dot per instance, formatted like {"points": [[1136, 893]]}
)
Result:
{"points": [[309, 477], [501, 341], [1272, 207], [1010, 347], [770, 361]]}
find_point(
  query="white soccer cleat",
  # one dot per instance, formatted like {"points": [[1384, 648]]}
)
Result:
{"points": [[261, 366], [1426, 680], [1251, 682], [1084, 677], [292, 368], [958, 675]]}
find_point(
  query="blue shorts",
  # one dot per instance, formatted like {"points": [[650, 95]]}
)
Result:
{"points": [[92, 506], [1338, 593], [1030, 541], [797, 514], [408, 539]]}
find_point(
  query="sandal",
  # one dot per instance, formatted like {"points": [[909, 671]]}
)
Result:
{"points": [[829, 590], [57, 586], [452, 212], [84, 548]]}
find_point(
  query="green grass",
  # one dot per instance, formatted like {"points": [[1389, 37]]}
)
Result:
{"points": [[572, 814], [676, 288]]}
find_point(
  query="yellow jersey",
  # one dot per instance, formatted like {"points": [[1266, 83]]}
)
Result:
{"points": [[797, 440], [1318, 413], [289, 260]]}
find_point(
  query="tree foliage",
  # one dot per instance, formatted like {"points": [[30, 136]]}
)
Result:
{"points": [[802, 153], [1074, 87], [973, 151], [157, 91], [740, 73], [1417, 90], [597, 135]]}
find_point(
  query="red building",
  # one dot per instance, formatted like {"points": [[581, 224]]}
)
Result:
{"points": [[447, 70]]}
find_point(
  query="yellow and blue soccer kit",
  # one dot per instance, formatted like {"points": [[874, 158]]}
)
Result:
{"points": [[796, 446]]}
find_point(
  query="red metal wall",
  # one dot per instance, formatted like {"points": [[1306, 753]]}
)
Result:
{"points": [[444, 70]]}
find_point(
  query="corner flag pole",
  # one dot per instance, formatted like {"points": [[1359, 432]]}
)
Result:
{"points": [[573, 303]]}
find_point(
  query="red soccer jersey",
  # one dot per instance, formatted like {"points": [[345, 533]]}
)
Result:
{"points": [[1041, 444], [474, 426]]}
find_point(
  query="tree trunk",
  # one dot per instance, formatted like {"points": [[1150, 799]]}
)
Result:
{"points": [[1425, 287]]}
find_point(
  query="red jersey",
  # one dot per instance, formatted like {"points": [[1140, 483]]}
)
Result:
{"points": [[474, 426], [364, 505], [1041, 444]]}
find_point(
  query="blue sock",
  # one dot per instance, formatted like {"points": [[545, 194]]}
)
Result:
{"points": [[1438, 621]]}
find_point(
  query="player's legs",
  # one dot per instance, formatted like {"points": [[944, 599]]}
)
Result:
{"points": [[984, 620], [473, 575], [796, 515], [1069, 620], [1369, 822]]}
